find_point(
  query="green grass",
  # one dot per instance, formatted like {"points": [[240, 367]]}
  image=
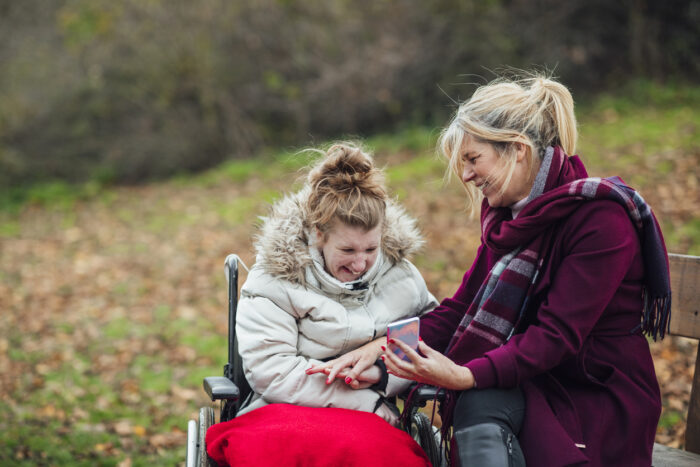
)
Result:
{"points": [[9, 227], [416, 170], [641, 119], [56, 194], [66, 448], [688, 232], [267, 165], [413, 139], [241, 208], [670, 418], [64, 441], [628, 98]]}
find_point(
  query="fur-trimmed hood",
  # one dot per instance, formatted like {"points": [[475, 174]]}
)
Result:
{"points": [[282, 245]]}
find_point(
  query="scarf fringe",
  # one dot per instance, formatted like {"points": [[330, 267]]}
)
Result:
{"points": [[656, 321], [446, 444], [408, 401], [446, 414]]}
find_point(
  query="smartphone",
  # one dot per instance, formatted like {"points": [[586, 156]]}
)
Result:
{"points": [[408, 331]]}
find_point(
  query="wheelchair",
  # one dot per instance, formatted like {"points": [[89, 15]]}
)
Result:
{"points": [[231, 389]]}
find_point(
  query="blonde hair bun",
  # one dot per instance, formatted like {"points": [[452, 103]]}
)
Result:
{"points": [[346, 186]]}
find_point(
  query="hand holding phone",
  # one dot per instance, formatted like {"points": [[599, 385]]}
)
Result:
{"points": [[406, 330]]}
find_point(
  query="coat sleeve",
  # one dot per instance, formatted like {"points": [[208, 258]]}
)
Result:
{"points": [[601, 244], [267, 342]]}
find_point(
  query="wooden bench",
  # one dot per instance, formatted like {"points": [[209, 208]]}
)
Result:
{"points": [[685, 322]]}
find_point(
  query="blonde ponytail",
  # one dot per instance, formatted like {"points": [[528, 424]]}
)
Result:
{"points": [[556, 106]]}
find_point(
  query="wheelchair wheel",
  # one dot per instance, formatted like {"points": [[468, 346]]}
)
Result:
{"points": [[206, 419], [423, 432]]}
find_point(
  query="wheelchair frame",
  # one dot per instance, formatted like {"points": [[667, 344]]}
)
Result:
{"points": [[232, 389]]}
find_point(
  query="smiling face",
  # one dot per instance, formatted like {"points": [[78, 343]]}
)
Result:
{"points": [[483, 166], [349, 251]]}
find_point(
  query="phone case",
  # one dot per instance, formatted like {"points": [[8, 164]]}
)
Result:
{"points": [[407, 330]]}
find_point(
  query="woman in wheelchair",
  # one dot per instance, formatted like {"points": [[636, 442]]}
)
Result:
{"points": [[331, 272]]}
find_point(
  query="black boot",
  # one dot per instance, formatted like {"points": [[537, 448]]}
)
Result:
{"points": [[488, 445]]}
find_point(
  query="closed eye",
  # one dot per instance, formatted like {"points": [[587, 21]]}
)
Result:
{"points": [[467, 158]]}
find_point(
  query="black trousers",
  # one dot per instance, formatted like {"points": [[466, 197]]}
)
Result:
{"points": [[486, 425]]}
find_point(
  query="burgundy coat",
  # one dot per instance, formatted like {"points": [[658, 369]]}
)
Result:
{"points": [[591, 393]]}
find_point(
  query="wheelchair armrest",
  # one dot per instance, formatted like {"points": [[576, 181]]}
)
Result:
{"points": [[220, 387]]}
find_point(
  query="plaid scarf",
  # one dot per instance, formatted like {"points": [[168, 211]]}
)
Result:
{"points": [[503, 297]]}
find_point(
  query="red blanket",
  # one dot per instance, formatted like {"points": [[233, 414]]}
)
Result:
{"points": [[279, 435]]}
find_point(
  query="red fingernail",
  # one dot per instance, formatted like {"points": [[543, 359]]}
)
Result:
{"points": [[392, 341], [348, 380], [420, 338], [382, 357], [383, 348]]}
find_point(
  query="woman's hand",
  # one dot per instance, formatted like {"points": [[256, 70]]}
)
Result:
{"points": [[367, 378], [433, 368], [352, 364]]}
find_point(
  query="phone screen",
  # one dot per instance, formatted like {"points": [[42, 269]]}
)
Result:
{"points": [[407, 330]]}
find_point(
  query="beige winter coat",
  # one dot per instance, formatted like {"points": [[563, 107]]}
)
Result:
{"points": [[292, 313]]}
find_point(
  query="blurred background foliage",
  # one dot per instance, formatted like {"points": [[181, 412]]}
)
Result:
{"points": [[129, 91]]}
